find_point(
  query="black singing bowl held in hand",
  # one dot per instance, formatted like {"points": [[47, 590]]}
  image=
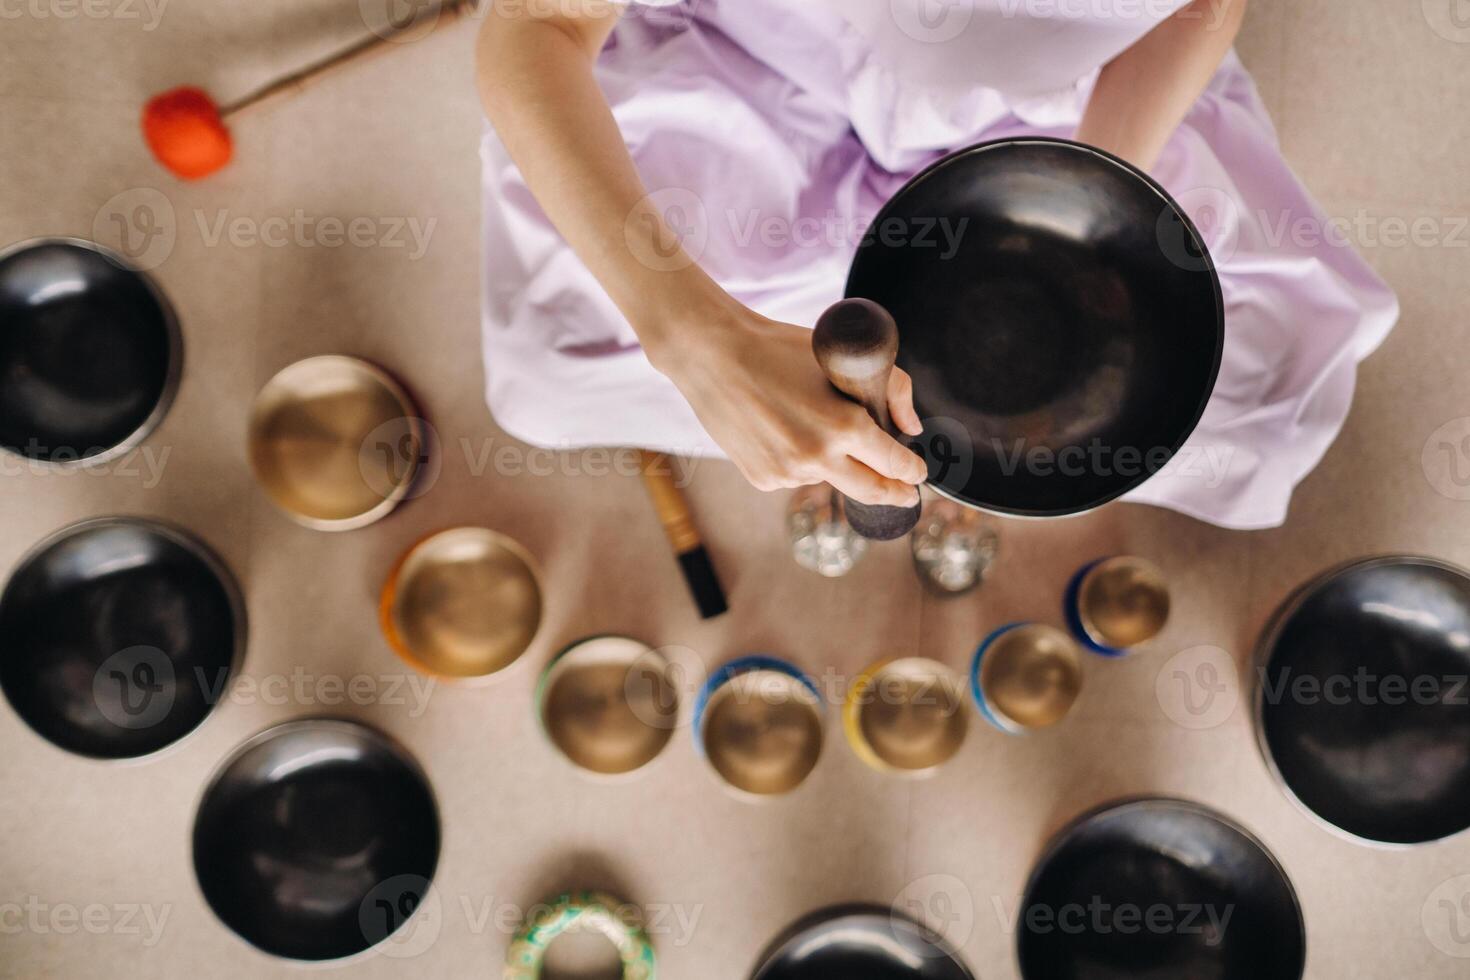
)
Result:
{"points": [[317, 839], [1159, 889], [90, 352], [1361, 700], [118, 636], [859, 942], [1059, 314]]}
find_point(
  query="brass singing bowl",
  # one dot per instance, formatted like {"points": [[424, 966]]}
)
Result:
{"points": [[462, 603], [906, 715], [1026, 676], [760, 728], [335, 442], [608, 704], [1120, 603]]}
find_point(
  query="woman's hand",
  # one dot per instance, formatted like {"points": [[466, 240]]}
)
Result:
{"points": [[759, 392], [753, 382]]}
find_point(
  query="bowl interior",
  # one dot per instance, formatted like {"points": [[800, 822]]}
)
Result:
{"points": [[88, 352], [1059, 316], [465, 603], [1159, 888], [316, 840], [609, 705], [1363, 699], [762, 731], [1029, 676], [334, 441], [912, 714], [118, 637]]}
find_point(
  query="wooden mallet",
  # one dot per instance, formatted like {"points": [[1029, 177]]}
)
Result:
{"points": [[856, 343], [187, 131]]}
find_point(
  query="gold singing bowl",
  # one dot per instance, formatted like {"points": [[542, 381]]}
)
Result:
{"points": [[335, 442], [906, 715], [1123, 602], [762, 732], [608, 704], [462, 603], [1027, 676]]}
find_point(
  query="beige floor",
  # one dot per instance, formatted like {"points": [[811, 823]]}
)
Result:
{"points": [[1372, 107]]}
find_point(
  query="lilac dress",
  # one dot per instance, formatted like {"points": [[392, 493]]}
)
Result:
{"points": [[770, 132]]}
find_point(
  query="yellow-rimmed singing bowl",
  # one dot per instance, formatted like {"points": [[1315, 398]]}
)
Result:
{"points": [[335, 442], [462, 603], [608, 704], [906, 715]]}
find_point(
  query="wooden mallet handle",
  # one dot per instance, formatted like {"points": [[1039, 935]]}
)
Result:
{"points": [[856, 344], [448, 12]]}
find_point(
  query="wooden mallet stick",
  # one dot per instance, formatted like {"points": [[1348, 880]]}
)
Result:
{"points": [[186, 129], [856, 343]]}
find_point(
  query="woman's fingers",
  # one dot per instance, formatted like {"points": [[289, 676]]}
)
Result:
{"points": [[901, 403], [886, 456], [861, 483]]}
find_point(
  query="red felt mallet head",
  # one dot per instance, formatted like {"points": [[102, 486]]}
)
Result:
{"points": [[185, 131]]}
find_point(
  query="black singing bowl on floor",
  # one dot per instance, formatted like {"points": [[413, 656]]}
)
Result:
{"points": [[1362, 701], [1059, 314], [90, 352], [859, 942], [316, 839], [1158, 889], [118, 636]]}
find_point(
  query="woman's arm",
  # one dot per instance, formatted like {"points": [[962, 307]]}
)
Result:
{"points": [[753, 382], [1143, 93]]}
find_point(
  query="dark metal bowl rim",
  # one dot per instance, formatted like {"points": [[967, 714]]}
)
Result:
{"points": [[199, 550], [175, 355], [843, 910], [1271, 632], [1060, 837], [315, 722], [1208, 266]]}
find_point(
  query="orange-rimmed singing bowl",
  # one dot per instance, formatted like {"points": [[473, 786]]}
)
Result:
{"points": [[462, 603]]}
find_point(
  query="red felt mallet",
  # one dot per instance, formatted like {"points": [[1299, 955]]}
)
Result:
{"points": [[189, 133]]}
